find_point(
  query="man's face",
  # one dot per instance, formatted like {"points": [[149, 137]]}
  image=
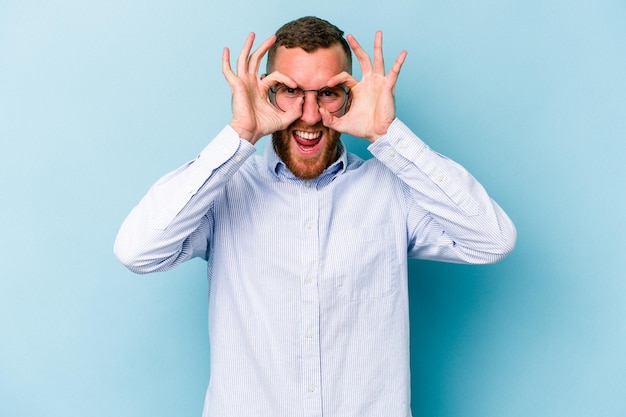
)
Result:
{"points": [[308, 147]]}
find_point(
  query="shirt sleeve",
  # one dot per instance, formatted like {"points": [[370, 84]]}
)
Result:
{"points": [[172, 223], [450, 216]]}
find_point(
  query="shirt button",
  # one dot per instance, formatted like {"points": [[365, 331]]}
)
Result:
{"points": [[189, 190], [311, 388], [307, 184], [238, 158], [392, 153], [439, 177], [225, 151], [309, 226], [309, 279], [309, 335]]}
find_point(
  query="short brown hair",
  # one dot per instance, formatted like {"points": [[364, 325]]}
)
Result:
{"points": [[309, 33]]}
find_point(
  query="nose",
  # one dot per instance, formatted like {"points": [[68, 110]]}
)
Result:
{"points": [[310, 109]]}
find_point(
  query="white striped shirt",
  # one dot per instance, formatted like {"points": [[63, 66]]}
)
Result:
{"points": [[308, 301]]}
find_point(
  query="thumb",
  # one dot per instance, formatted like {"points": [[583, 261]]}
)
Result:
{"points": [[329, 120], [293, 113]]}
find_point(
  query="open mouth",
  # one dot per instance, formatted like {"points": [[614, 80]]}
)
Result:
{"points": [[307, 141]]}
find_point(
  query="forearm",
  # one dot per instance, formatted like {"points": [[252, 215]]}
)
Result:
{"points": [[459, 221], [171, 222]]}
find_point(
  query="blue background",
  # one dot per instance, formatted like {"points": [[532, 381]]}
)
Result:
{"points": [[100, 98]]}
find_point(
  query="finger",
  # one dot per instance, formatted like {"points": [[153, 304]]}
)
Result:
{"points": [[364, 59], [379, 62], [328, 119], [255, 59], [342, 78], [333, 122], [394, 72], [226, 69], [242, 61], [286, 117], [279, 78], [293, 113]]}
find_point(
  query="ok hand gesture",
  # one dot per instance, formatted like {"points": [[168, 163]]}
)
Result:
{"points": [[253, 115], [372, 107]]}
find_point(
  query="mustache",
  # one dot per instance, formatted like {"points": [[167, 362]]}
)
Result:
{"points": [[301, 126]]}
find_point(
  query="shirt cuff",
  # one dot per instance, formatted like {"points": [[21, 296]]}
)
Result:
{"points": [[398, 148], [226, 150], [218, 161]]}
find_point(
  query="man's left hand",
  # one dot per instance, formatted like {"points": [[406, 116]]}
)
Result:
{"points": [[371, 108]]}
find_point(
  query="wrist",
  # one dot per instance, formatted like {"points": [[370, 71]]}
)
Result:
{"points": [[380, 132], [243, 133]]}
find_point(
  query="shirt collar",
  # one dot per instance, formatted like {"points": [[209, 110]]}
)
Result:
{"points": [[278, 168]]}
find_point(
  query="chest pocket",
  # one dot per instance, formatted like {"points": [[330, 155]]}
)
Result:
{"points": [[364, 264]]}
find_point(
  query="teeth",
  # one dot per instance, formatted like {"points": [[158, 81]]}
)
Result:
{"points": [[308, 135]]}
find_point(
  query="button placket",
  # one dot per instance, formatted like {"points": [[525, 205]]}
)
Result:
{"points": [[310, 303]]}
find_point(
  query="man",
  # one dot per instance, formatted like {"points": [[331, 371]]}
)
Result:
{"points": [[307, 245]]}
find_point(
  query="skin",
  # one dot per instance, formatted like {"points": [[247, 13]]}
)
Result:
{"points": [[307, 146], [372, 107]]}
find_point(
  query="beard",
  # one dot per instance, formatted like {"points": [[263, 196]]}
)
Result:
{"points": [[306, 168]]}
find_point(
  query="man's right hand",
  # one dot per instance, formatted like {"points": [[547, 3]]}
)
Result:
{"points": [[253, 115]]}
